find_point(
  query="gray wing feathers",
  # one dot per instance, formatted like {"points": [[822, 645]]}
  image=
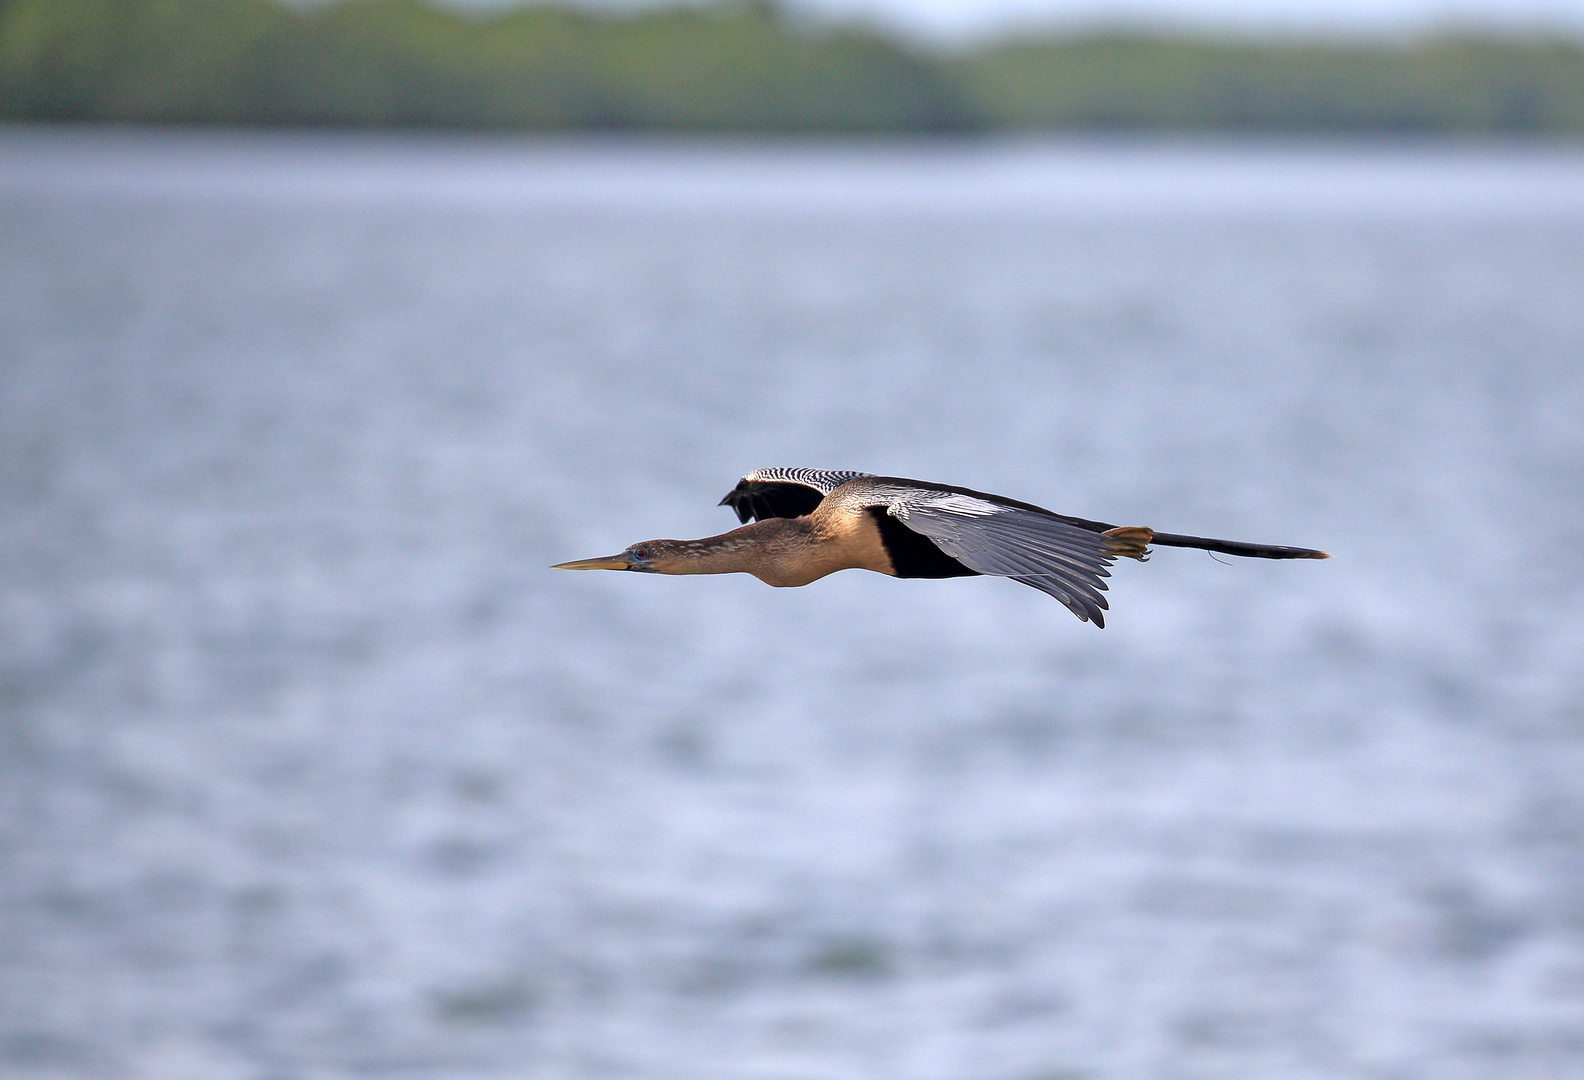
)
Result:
{"points": [[1036, 549], [1088, 608]]}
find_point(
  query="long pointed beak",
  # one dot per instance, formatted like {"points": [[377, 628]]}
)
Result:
{"points": [[609, 562]]}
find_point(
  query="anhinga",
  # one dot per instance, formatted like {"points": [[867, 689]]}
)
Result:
{"points": [[811, 522]]}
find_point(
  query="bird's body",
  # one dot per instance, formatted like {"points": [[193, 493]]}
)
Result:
{"points": [[803, 524]]}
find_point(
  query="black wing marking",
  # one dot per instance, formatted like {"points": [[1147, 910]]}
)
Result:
{"points": [[788, 493]]}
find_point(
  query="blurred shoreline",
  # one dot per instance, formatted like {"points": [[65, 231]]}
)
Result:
{"points": [[993, 174], [749, 68]]}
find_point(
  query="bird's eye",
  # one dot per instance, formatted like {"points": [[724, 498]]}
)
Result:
{"points": [[640, 553]]}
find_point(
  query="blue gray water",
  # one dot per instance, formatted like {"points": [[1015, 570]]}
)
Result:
{"points": [[309, 766]]}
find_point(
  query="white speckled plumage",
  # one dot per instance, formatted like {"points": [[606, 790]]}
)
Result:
{"points": [[823, 481]]}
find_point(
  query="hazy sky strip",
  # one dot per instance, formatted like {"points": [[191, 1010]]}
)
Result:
{"points": [[966, 19]]}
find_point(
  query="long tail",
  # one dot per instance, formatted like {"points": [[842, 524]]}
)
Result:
{"points": [[1133, 541], [1237, 547]]}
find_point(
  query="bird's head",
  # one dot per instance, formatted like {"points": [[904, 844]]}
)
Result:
{"points": [[648, 557]]}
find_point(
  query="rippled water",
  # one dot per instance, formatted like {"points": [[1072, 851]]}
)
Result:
{"points": [[309, 767]]}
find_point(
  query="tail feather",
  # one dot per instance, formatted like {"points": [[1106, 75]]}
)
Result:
{"points": [[1237, 547]]}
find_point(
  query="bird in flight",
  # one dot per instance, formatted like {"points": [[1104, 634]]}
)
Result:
{"points": [[802, 524]]}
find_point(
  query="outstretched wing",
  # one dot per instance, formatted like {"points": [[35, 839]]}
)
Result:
{"points": [[1019, 541], [789, 493]]}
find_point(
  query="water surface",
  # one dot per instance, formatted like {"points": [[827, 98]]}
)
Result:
{"points": [[309, 767]]}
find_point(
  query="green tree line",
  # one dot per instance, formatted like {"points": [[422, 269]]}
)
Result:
{"points": [[735, 66]]}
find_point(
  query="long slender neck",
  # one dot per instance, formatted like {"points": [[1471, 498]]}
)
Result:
{"points": [[777, 551]]}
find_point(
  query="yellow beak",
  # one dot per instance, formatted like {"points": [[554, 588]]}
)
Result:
{"points": [[609, 562]]}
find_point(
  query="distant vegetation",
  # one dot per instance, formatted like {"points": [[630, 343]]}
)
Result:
{"points": [[1445, 84], [736, 66]]}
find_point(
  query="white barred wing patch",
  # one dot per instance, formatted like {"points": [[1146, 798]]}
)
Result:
{"points": [[783, 492], [823, 481]]}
